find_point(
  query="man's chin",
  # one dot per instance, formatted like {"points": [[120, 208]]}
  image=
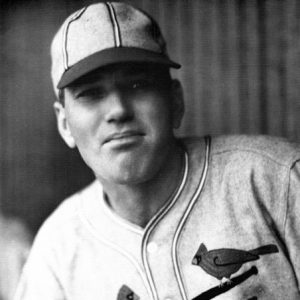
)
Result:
{"points": [[132, 175], [129, 167], [122, 180]]}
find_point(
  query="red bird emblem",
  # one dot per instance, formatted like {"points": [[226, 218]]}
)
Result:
{"points": [[222, 263]]}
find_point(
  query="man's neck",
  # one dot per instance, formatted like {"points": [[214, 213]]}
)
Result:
{"points": [[138, 203]]}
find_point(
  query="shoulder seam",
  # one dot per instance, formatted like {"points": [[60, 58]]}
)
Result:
{"points": [[289, 162]]}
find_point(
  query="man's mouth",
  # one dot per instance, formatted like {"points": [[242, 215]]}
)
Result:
{"points": [[123, 138]]}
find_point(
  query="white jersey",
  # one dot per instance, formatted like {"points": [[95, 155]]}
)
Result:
{"points": [[233, 217]]}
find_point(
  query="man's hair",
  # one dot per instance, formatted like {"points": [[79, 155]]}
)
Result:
{"points": [[61, 96]]}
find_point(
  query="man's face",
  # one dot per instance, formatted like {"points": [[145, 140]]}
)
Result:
{"points": [[121, 119]]}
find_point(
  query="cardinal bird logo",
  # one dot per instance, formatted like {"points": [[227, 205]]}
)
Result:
{"points": [[125, 293], [222, 263]]}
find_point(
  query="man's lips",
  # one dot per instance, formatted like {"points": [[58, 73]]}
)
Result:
{"points": [[119, 136]]}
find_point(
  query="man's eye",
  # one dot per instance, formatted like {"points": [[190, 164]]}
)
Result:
{"points": [[91, 94], [139, 85]]}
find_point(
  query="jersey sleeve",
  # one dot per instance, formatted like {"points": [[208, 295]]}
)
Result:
{"points": [[292, 220], [39, 279]]}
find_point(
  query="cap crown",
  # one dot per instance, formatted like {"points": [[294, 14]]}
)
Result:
{"points": [[99, 27]]}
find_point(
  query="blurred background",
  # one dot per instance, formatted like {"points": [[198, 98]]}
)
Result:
{"points": [[241, 74]]}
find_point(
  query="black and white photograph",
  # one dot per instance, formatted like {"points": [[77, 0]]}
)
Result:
{"points": [[149, 150]]}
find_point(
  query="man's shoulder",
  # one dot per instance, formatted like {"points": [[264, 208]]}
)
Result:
{"points": [[276, 149], [66, 215]]}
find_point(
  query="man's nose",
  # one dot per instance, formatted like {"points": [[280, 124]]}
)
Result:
{"points": [[118, 108]]}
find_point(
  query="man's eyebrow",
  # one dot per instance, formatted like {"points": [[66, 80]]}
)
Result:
{"points": [[127, 74], [80, 87]]}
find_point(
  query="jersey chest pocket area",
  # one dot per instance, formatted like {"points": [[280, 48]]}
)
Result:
{"points": [[231, 268]]}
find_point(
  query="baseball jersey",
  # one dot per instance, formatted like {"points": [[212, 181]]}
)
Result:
{"points": [[231, 230]]}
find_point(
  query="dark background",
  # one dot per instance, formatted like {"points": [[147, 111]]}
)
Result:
{"points": [[241, 74]]}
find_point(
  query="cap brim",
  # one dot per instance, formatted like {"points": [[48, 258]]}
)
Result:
{"points": [[113, 56]]}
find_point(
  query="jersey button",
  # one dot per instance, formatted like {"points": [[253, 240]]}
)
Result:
{"points": [[152, 247]]}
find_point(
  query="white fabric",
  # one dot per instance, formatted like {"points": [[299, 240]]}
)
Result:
{"points": [[250, 199]]}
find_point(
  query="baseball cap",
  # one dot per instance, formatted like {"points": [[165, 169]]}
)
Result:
{"points": [[102, 34]]}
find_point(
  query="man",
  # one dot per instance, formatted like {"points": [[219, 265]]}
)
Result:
{"points": [[165, 218]]}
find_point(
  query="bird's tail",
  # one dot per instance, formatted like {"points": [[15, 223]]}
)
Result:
{"points": [[267, 249]]}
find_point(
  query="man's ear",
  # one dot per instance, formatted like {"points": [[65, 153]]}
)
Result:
{"points": [[62, 125], [177, 103]]}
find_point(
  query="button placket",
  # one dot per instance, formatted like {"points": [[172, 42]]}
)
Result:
{"points": [[152, 248]]}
